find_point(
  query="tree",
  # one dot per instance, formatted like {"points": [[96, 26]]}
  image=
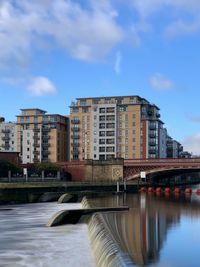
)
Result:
{"points": [[48, 168], [6, 166]]}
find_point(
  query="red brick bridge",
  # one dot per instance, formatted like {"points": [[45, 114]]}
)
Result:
{"points": [[133, 167]]}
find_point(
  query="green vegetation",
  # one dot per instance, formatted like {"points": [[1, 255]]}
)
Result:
{"points": [[6, 166], [48, 168]]}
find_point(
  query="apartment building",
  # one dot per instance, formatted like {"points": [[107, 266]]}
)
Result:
{"points": [[41, 137], [8, 136], [108, 127], [174, 148]]}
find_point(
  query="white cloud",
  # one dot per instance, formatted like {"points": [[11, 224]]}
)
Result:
{"points": [[148, 7], [84, 33], [192, 144], [40, 86], [160, 82], [180, 27], [118, 61], [184, 15]]}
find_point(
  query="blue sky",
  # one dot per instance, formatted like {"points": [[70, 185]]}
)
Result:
{"points": [[54, 51]]}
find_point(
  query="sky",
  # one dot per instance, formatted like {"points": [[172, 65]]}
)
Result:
{"points": [[52, 52]]}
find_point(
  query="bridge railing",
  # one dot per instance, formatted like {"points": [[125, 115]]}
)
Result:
{"points": [[163, 161]]}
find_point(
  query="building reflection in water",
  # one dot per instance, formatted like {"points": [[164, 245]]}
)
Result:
{"points": [[141, 232]]}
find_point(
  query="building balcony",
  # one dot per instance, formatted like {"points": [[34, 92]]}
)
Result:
{"points": [[152, 143], [46, 145], [36, 145], [45, 152], [5, 138], [74, 129], [5, 131], [157, 115], [152, 151], [152, 135], [45, 138], [152, 127], [75, 136], [75, 145], [75, 121]]}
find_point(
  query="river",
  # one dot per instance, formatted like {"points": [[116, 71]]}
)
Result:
{"points": [[157, 231], [25, 241]]}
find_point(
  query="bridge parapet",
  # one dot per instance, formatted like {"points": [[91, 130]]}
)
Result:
{"points": [[132, 168]]}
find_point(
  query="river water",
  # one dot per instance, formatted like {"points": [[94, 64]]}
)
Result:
{"points": [[158, 230], [26, 241]]}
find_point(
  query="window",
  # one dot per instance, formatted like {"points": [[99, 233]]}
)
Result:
{"points": [[102, 141], [102, 157], [83, 102], [102, 133], [102, 110], [102, 149], [123, 108], [110, 117], [85, 109], [110, 110], [75, 110], [102, 125], [110, 141], [110, 125], [102, 118], [110, 149], [110, 133]]}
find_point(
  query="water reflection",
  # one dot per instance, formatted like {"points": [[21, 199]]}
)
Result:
{"points": [[142, 232]]}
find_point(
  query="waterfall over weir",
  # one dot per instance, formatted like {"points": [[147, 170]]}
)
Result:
{"points": [[106, 250]]}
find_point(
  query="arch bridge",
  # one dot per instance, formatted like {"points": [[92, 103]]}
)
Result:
{"points": [[154, 167]]}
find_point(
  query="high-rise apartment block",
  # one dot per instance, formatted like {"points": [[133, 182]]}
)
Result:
{"points": [[108, 127], [41, 137], [8, 136]]}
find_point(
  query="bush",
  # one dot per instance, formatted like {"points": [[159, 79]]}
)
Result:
{"points": [[48, 168], [6, 166]]}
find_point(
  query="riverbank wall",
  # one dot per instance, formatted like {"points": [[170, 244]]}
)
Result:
{"points": [[11, 193]]}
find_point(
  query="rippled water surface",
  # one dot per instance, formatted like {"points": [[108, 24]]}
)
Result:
{"points": [[159, 230], [26, 241]]}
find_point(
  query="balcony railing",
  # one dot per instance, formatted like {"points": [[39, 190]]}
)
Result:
{"points": [[5, 131], [75, 136], [74, 129], [75, 121]]}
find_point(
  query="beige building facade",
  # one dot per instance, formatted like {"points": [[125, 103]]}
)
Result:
{"points": [[103, 128], [41, 137]]}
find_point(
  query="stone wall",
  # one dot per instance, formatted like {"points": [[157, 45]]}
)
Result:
{"points": [[95, 170], [110, 170]]}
